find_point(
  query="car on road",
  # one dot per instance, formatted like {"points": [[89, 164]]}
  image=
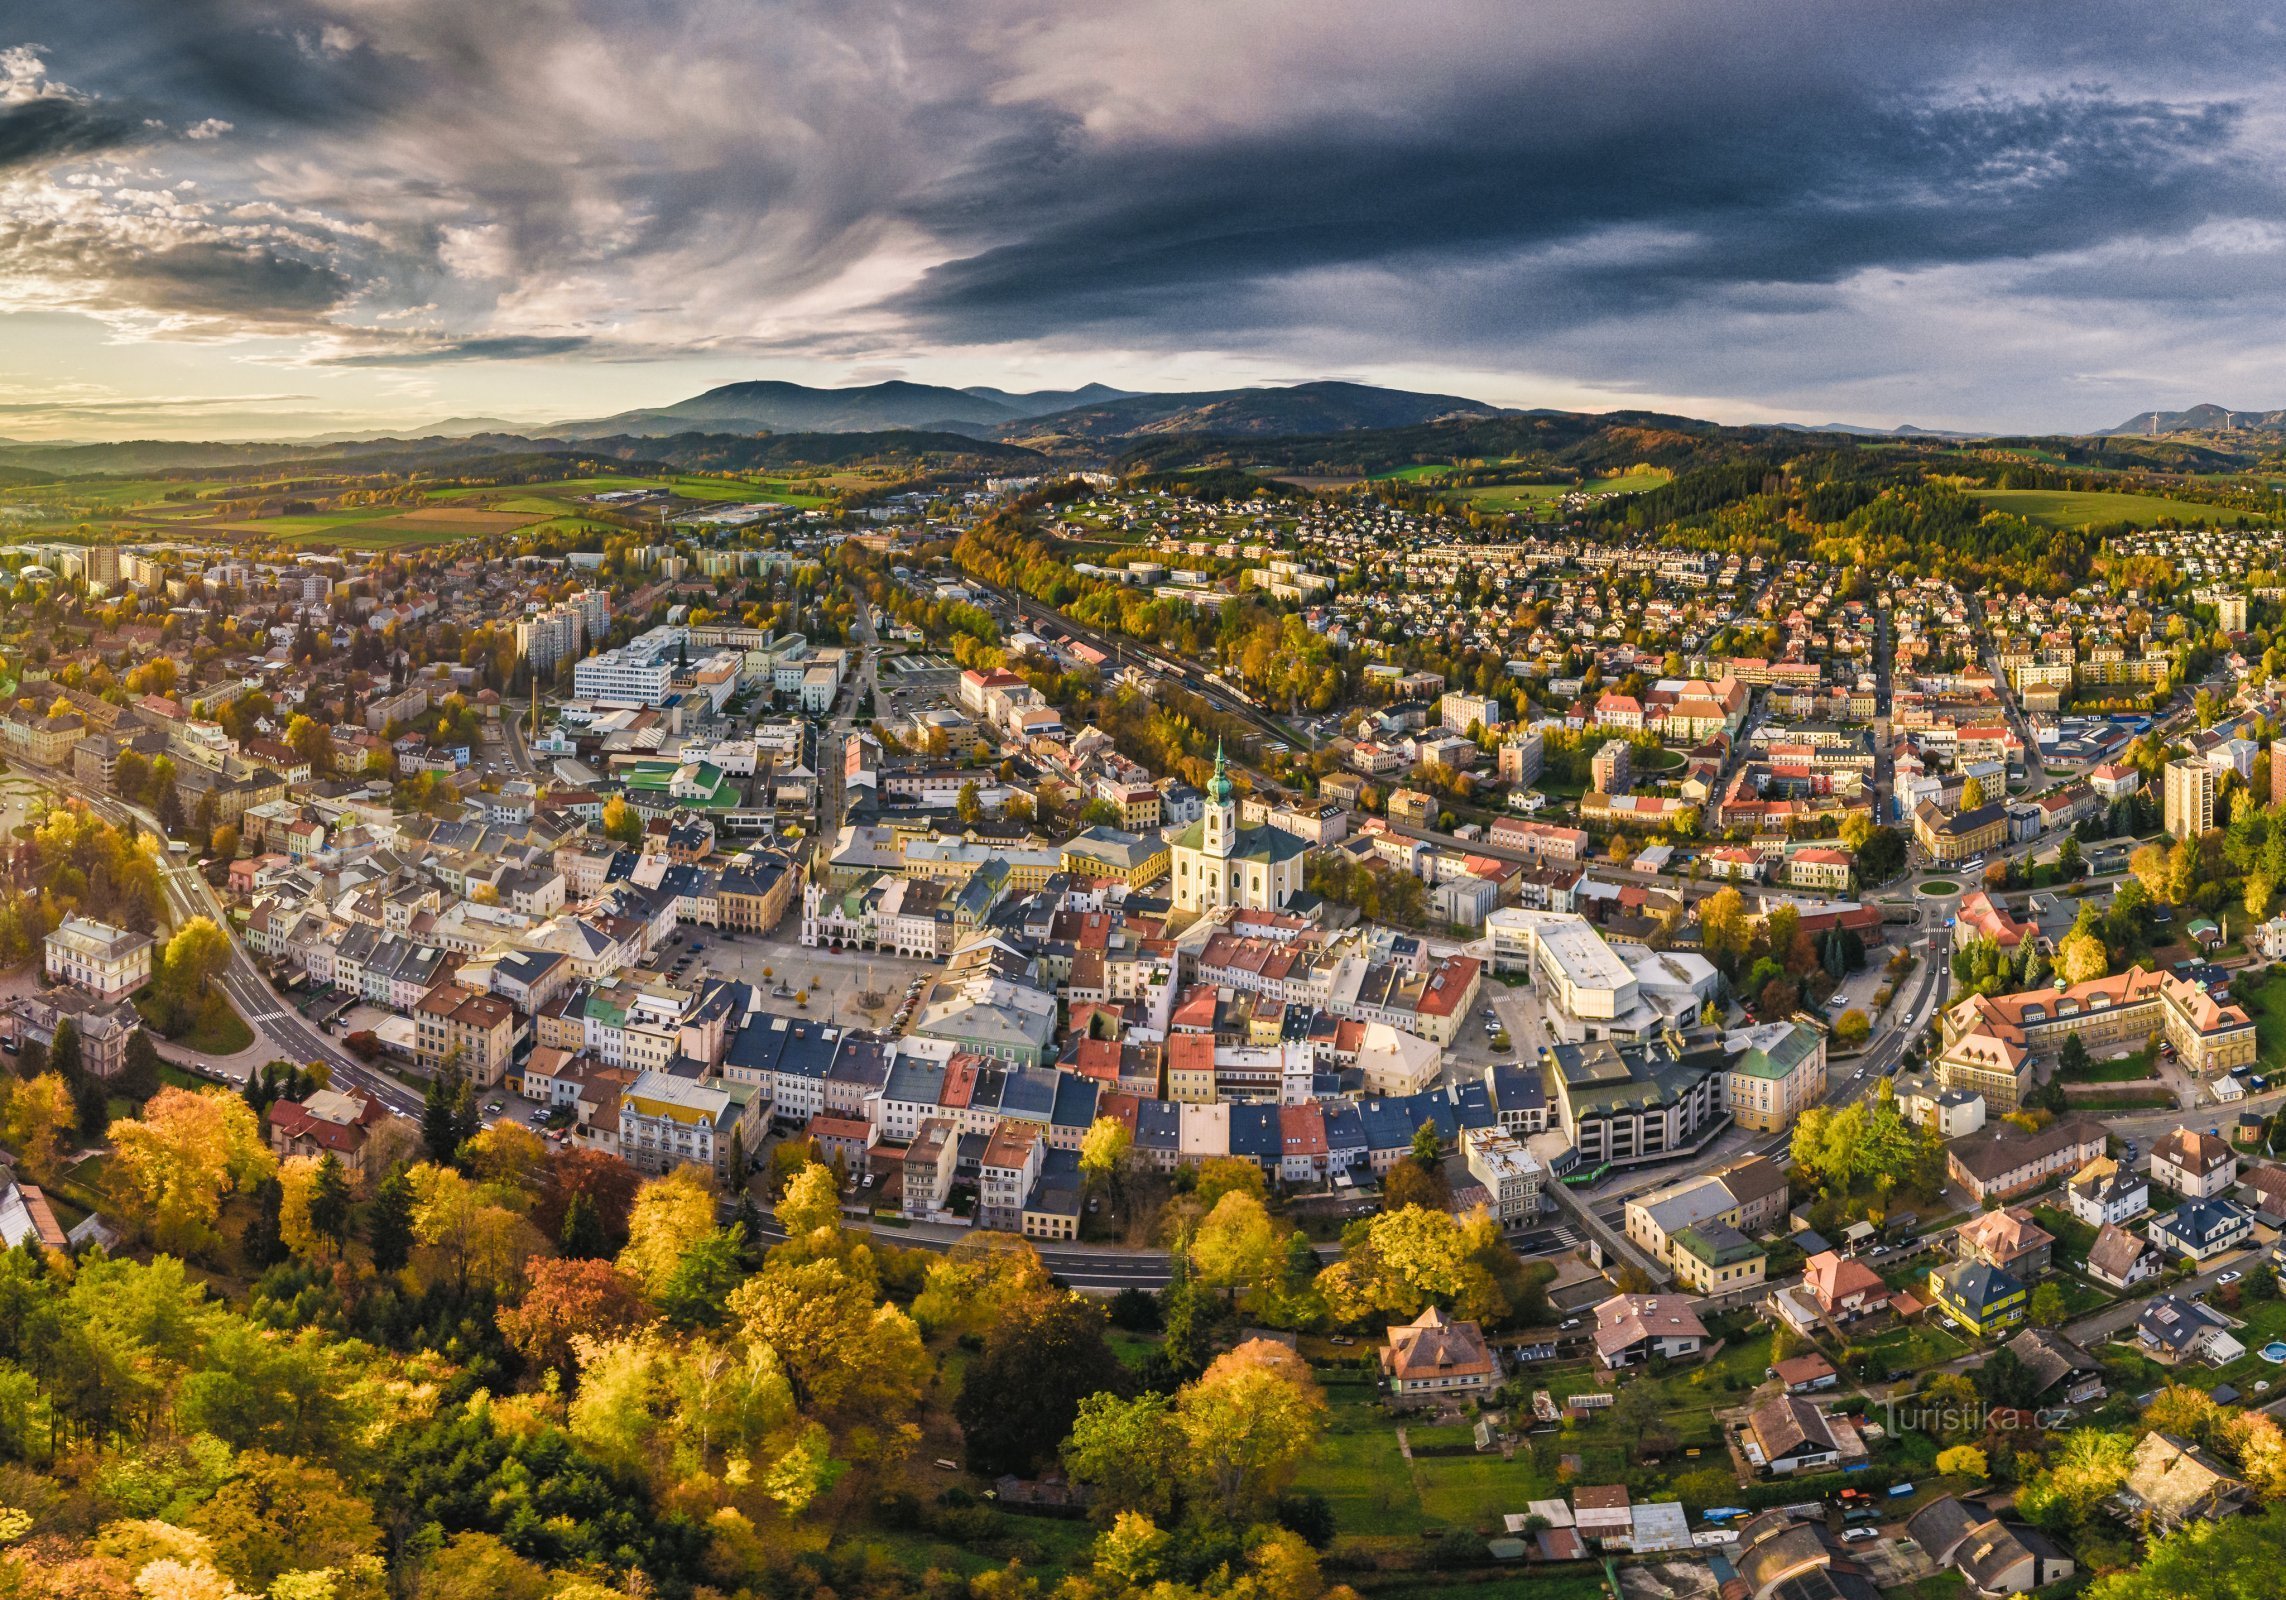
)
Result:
{"points": [[2230, 1277]]}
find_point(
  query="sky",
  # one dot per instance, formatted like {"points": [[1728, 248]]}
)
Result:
{"points": [[273, 218]]}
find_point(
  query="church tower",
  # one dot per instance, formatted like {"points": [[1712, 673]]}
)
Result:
{"points": [[1221, 835]]}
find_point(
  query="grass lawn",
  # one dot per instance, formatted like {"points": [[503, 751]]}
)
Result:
{"points": [[1946, 1585], [224, 1033], [2264, 1321], [1579, 1580], [1132, 1348], [1914, 1349], [2074, 1238], [2074, 508], [2267, 1000], [2134, 1069]]}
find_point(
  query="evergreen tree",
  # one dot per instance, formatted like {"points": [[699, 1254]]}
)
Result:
{"points": [[389, 1224], [466, 1124], [263, 1242], [582, 1238], [139, 1078], [330, 1201], [64, 1054], [440, 1120]]}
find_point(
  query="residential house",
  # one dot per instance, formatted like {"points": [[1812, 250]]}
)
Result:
{"points": [[1435, 1358], [1983, 1299], [2103, 1192], [2171, 1481], [2197, 1166], [2172, 1330], [2202, 1229], [1631, 1328], [2121, 1259]]}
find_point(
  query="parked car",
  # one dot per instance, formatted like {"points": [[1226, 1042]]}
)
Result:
{"points": [[1859, 1535]]}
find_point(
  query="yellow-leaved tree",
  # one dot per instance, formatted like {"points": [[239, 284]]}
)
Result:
{"points": [[1249, 1423], [172, 1165], [670, 1214], [39, 1115]]}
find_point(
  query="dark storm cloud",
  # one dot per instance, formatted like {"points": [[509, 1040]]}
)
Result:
{"points": [[56, 126], [219, 277], [1802, 192], [1621, 193], [417, 352]]}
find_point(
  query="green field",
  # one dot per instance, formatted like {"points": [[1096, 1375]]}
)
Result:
{"points": [[2072, 508], [2267, 1003], [1537, 496], [784, 491]]}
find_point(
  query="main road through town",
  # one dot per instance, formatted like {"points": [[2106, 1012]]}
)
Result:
{"points": [[190, 895]]}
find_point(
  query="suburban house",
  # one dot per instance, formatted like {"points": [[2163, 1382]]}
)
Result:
{"points": [[1808, 1374], [1843, 1286], [1786, 1435], [325, 1122], [2174, 1482], [2202, 1229], [2001, 1159], [2120, 1259], [1436, 1358], [1635, 1327], [1981, 1298], [2063, 1371], [1778, 1557], [1995, 1557], [2104, 1191], [2173, 1330], [2197, 1166], [2266, 1192], [2009, 1239]]}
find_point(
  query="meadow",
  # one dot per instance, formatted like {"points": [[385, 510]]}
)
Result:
{"points": [[1538, 496], [2077, 508]]}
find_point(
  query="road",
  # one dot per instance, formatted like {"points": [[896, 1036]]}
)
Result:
{"points": [[189, 895], [1080, 1266], [1192, 677]]}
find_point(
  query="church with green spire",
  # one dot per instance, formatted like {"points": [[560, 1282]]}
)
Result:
{"points": [[1219, 864]]}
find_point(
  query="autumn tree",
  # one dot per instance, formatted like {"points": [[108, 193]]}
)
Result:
{"points": [[171, 1166], [1248, 1424], [1397, 1263], [984, 1277], [1129, 1451], [621, 824], [669, 1215], [467, 1236], [1104, 1151], [198, 954], [604, 1180], [275, 1515], [39, 1114], [568, 1299], [853, 1364]]}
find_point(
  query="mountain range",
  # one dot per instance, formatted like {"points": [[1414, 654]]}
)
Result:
{"points": [[772, 407], [2200, 419], [1075, 417]]}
